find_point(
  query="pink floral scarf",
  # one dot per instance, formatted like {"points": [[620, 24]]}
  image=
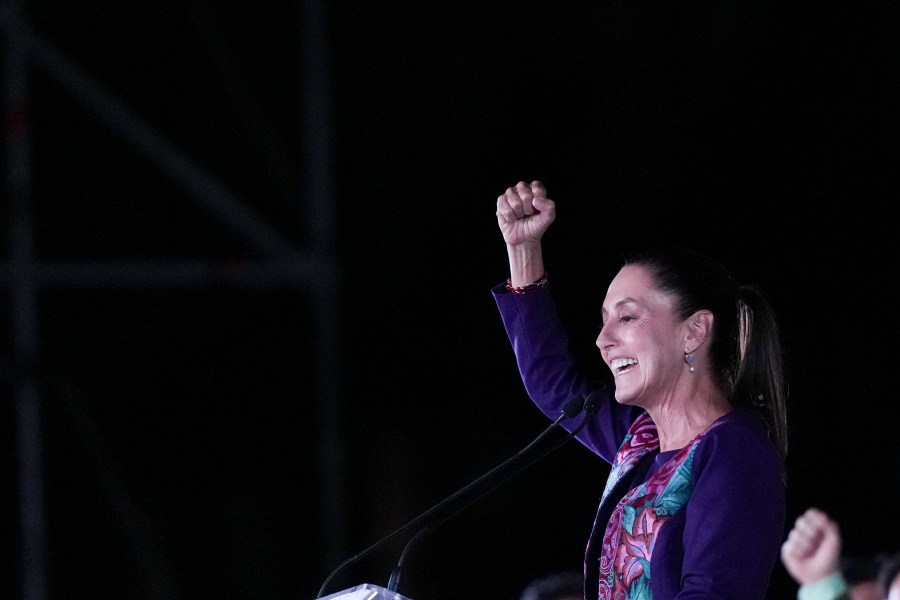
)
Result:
{"points": [[635, 522]]}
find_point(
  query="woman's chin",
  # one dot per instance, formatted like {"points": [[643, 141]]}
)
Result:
{"points": [[625, 398]]}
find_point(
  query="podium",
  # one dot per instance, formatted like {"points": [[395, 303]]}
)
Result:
{"points": [[365, 591]]}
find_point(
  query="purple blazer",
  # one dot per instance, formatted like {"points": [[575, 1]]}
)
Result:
{"points": [[724, 542]]}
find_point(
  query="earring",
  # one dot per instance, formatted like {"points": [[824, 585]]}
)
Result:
{"points": [[689, 359]]}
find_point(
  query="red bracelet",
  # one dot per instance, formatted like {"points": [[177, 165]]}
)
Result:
{"points": [[541, 282]]}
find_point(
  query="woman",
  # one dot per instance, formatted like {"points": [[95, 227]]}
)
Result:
{"points": [[694, 506]]}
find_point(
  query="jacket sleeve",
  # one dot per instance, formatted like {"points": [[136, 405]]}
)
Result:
{"points": [[735, 520], [550, 373]]}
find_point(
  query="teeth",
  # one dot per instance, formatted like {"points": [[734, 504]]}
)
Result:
{"points": [[623, 362]]}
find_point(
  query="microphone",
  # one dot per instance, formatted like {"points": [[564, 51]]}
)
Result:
{"points": [[571, 409]]}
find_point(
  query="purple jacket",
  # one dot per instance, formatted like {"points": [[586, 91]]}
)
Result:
{"points": [[724, 541]]}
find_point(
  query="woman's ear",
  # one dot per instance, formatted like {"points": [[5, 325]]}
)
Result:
{"points": [[699, 328]]}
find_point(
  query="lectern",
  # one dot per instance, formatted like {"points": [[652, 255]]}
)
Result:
{"points": [[365, 591]]}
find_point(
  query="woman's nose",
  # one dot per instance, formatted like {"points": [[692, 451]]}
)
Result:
{"points": [[604, 339]]}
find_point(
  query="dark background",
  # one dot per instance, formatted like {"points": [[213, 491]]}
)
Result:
{"points": [[182, 426]]}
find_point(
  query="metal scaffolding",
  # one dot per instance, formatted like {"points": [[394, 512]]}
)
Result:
{"points": [[277, 261]]}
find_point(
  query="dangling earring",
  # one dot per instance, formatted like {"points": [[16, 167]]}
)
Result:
{"points": [[689, 359]]}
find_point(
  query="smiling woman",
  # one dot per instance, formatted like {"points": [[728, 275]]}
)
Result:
{"points": [[695, 430]]}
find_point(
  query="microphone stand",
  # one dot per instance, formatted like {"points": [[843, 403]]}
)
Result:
{"points": [[396, 577], [572, 408]]}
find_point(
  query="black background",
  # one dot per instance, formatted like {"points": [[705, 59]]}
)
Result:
{"points": [[181, 433]]}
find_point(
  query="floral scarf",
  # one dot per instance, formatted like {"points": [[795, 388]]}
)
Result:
{"points": [[637, 518]]}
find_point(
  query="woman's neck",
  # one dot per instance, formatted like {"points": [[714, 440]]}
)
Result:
{"points": [[679, 422]]}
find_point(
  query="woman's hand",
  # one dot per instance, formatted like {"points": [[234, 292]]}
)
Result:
{"points": [[524, 213]]}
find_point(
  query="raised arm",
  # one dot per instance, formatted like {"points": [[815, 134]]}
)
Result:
{"points": [[812, 550], [524, 213], [541, 345]]}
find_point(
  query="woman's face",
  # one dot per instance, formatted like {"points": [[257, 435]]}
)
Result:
{"points": [[641, 341]]}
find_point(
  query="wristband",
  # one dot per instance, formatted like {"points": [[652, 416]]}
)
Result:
{"points": [[541, 282]]}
